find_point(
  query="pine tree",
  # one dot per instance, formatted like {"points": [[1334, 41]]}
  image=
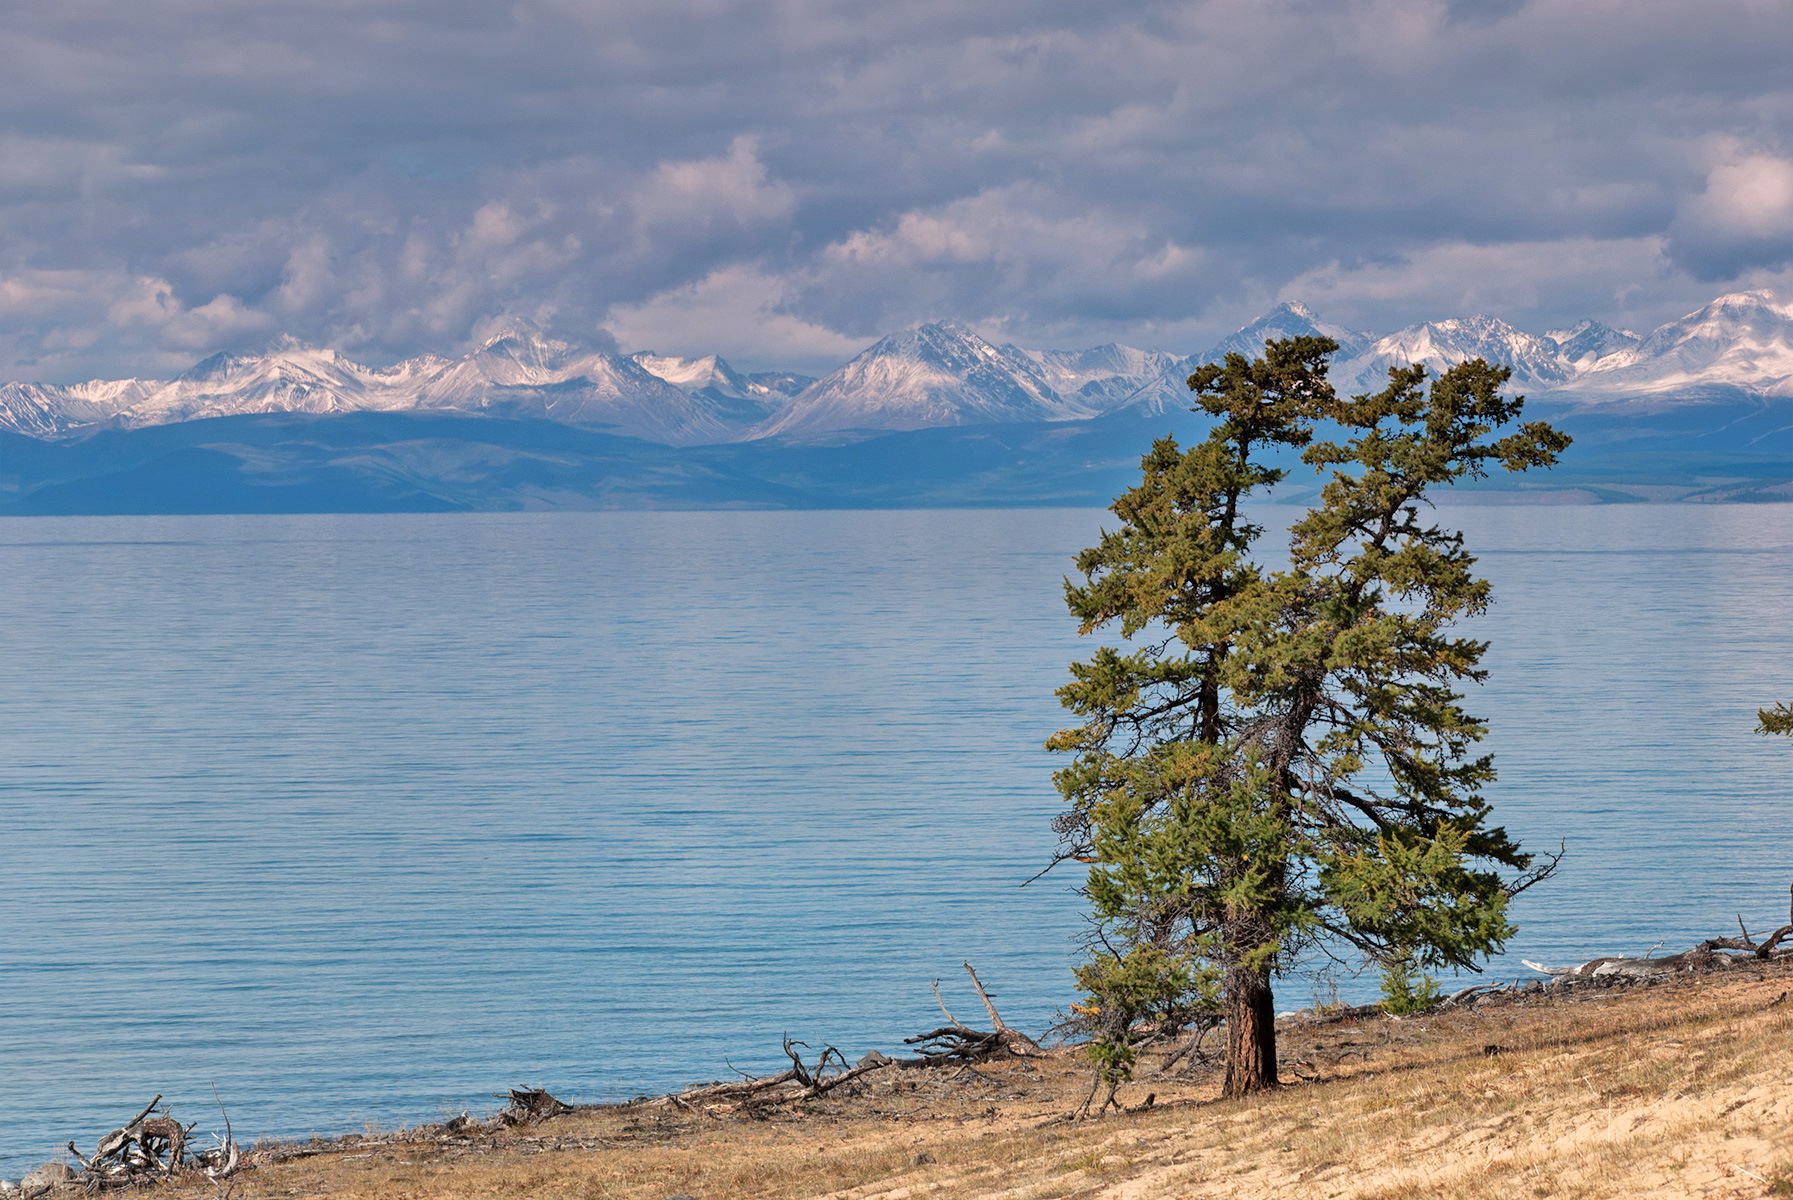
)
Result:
{"points": [[1279, 760]]}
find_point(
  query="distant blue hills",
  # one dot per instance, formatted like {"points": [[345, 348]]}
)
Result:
{"points": [[1722, 448]]}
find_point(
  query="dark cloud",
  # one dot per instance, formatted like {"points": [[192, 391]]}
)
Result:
{"points": [[783, 180]]}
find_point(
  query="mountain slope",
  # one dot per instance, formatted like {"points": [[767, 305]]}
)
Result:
{"points": [[1291, 319], [1739, 341], [519, 372], [1737, 348], [1111, 377], [737, 397], [934, 375], [1440, 345]]}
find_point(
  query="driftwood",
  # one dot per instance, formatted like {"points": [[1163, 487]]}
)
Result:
{"points": [[151, 1147], [959, 1043], [529, 1106], [800, 1083], [1763, 949], [147, 1147], [956, 1044], [1700, 958], [1703, 957]]}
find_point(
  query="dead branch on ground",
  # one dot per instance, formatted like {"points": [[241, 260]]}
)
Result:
{"points": [[530, 1106], [956, 1044], [959, 1043], [148, 1147], [1700, 958]]}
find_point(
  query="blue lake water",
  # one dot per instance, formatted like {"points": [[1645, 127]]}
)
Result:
{"points": [[366, 817]]}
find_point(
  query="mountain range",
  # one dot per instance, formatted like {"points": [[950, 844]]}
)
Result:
{"points": [[1698, 410], [940, 374]]}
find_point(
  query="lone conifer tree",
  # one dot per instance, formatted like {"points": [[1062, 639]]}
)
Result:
{"points": [[1280, 759]]}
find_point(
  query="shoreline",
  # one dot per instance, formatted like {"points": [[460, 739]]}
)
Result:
{"points": [[1675, 1086]]}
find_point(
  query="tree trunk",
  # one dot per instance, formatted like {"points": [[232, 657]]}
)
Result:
{"points": [[1250, 1033]]}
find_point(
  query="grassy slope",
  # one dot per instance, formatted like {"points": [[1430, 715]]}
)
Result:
{"points": [[1683, 1089]]}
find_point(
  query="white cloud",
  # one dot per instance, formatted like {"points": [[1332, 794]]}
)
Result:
{"points": [[1526, 282], [738, 311], [1750, 198], [220, 321], [732, 190]]}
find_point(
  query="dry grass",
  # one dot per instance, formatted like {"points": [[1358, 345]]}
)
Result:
{"points": [[1684, 1089]]}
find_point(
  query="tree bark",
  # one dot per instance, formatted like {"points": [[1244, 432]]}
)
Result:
{"points": [[1250, 1033]]}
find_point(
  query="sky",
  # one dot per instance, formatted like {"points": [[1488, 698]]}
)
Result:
{"points": [[782, 181]]}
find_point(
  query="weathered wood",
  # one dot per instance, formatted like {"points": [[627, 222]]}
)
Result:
{"points": [[530, 1106], [995, 1017]]}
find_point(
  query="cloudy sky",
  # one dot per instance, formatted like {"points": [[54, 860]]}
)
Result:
{"points": [[782, 180]]}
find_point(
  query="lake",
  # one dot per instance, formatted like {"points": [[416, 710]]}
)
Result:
{"points": [[364, 818]]}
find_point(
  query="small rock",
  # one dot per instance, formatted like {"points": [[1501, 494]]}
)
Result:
{"points": [[874, 1059], [921, 1159], [681, 1196]]}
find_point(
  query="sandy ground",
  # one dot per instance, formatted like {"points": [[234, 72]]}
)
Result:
{"points": [[1684, 1088]]}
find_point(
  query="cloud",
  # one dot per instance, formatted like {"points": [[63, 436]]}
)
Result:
{"points": [[221, 322], [1743, 218], [682, 199], [1512, 278], [796, 176], [740, 312]]}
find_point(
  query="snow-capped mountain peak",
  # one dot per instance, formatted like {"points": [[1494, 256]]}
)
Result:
{"points": [[1740, 340], [941, 373], [1440, 345], [938, 373], [1286, 320], [713, 379]]}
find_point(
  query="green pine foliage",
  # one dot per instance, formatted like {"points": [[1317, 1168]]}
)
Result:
{"points": [[1277, 759], [1405, 990]]}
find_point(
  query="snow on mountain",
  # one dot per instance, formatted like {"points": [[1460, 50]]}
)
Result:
{"points": [[738, 397], [1738, 342], [933, 375], [1109, 377], [1742, 340], [1440, 345], [46, 410], [519, 372], [1587, 342], [781, 383], [290, 377], [1292, 319]]}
